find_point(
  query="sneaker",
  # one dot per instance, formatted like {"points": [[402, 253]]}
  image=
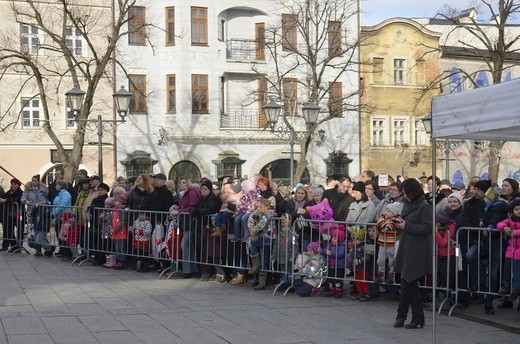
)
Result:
{"points": [[38, 254], [365, 297]]}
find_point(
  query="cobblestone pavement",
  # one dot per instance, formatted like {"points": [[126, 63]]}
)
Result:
{"points": [[44, 300]]}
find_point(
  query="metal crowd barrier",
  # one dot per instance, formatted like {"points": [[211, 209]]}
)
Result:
{"points": [[187, 243]]}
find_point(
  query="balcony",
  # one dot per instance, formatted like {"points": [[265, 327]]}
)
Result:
{"points": [[244, 50], [242, 118]]}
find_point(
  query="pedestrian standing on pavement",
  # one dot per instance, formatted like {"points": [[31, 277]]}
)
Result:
{"points": [[414, 255]]}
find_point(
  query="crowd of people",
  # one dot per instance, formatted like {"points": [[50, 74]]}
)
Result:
{"points": [[382, 239]]}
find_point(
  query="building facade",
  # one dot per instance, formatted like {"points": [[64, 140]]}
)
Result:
{"points": [[398, 75], [202, 76], [31, 50]]}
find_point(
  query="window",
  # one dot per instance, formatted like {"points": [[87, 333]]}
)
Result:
{"points": [[74, 41], [334, 33], [222, 30], [199, 26], [137, 25], [379, 131], [419, 133], [400, 127], [260, 41], [199, 91], [336, 99], [138, 88], [482, 79], [289, 32], [30, 112], [377, 70], [455, 81], [399, 76], [290, 96], [170, 87], [29, 39], [170, 25]]}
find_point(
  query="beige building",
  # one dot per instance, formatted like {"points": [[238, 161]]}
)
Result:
{"points": [[26, 148], [398, 76]]}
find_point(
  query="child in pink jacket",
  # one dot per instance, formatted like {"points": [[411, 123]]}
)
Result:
{"points": [[444, 238], [511, 228]]}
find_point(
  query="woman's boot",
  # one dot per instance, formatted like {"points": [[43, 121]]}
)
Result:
{"points": [[111, 261], [256, 264], [262, 282], [238, 279]]}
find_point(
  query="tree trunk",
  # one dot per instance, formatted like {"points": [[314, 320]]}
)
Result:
{"points": [[494, 159]]}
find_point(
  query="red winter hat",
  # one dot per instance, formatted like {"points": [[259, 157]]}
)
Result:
{"points": [[339, 234]]}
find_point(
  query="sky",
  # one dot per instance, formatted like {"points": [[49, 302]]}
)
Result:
{"points": [[375, 11]]}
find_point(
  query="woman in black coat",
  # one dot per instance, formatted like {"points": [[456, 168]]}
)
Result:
{"points": [[11, 213], [414, 255]]}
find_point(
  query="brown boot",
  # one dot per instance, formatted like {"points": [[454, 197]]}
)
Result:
{"points": [[238, 279], [262, 282], [256, 264], [217, 232]]}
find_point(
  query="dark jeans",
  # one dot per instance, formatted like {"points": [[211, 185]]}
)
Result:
{"points": [[411, 295], [495, 257]]}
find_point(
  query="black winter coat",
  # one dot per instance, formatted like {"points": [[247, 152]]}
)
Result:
{"points": [[414, 255]]}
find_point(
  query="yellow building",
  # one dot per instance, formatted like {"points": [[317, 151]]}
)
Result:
{"points": [[400, 64]]}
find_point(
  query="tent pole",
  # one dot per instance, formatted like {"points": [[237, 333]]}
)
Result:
{"points": [[434, 262]]}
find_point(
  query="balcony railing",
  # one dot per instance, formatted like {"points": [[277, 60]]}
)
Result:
{"points": [[244, 50], [242, 118]]}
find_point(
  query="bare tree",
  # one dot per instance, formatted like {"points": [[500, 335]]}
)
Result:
{"points": [[52, 65], [309, 58], [495, 43]]}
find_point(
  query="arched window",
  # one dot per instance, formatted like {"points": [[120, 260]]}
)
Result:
{"points": [[279, 171], [484, 176], [482, 79], [184, 169], [455, 81], [457, 177], [509, 76]]}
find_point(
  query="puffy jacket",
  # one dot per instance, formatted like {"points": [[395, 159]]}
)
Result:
{"points": [[445, 239], [513, 246]]}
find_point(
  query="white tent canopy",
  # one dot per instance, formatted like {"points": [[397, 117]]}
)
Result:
{"points": [[488, 113]]}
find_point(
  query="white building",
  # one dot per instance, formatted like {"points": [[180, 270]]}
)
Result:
{"points": [[199, 98]]}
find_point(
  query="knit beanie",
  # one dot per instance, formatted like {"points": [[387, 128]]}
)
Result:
{"points": [[207, 183], [339, 234], [457, 196], [515, 202], [483, 185], [236, 187], [395, 207], [317, 192], [314, 246], [359, 186], [442, 215], [109, 201]]}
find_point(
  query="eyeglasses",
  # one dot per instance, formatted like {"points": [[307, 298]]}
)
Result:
{"points": [[367, 188]]}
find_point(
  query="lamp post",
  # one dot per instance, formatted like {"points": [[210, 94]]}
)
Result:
{"points": [[310, 112], [122, 100], [446, 145]]}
